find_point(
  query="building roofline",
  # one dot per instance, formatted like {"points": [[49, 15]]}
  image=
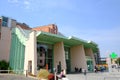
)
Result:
{"points": [[69, 41]]}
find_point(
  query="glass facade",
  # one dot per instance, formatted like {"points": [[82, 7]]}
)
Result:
{"points": [[89, 62], [44, 56], [67, 57]]}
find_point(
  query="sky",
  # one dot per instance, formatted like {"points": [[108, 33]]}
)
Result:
{"points": [[91, 20]]}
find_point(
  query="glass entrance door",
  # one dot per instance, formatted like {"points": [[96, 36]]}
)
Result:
{"points": [[49, 60], [67, 57], [90, 65], [41, 59], [29, 66]]}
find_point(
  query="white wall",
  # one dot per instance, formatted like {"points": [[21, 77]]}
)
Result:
{"points": [[30, 53], [5, 43]]}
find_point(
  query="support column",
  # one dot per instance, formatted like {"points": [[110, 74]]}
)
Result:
{"points": [[78, 58], [59, 55], [89, 52]]}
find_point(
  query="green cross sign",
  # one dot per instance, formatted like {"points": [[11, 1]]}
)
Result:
{"points": [[113, 55]]}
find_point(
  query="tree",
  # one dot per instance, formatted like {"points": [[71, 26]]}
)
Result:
{"points": [[118, 61]]}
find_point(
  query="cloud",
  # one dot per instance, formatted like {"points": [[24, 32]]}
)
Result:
{"points": [[27, 4], [66, 4], [36, 5], [13, 1]]}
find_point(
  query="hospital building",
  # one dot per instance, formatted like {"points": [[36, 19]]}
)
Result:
{"points": [[32, 49]]}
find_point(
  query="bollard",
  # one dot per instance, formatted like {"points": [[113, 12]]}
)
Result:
{"points": [[55, 73], [85, 74], [26, 73]]}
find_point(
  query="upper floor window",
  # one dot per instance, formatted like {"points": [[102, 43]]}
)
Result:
{"points": [[4, 24], [4, 21]]}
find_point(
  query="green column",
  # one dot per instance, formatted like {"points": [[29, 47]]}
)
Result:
{"points": [[23, 56], [11, 51], [17, 55], [46, 59], [52, 59]]}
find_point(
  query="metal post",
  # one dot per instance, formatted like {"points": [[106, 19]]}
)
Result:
{"points": [[26, 73], [109, 64], [85, 74], [55, 73], [8, 70]]}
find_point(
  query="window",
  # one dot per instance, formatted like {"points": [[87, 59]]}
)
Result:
{"points": [[4, 21], [40, 61], [66, 55], [4, 24], [41, 54]]}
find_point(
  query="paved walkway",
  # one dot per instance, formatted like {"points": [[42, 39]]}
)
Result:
{"points": [[89, 76], [14, 77], [95, 76]]}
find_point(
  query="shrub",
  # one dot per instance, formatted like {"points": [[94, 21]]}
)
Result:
{"points": [[4, 65]]}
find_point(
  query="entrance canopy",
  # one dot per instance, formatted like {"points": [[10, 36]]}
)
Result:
{"points": [[49, 38]]}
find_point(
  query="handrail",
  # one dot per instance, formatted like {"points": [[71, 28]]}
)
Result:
{"points": [[15, 72], [12, 70]]}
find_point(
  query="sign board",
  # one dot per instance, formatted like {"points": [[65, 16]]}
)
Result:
{"points": [[113, 55]]}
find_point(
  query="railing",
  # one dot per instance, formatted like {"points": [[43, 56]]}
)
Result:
{"points": [[14, 72]]}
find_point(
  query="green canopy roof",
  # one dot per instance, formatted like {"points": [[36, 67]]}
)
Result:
{"points": [[49, 38]]}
